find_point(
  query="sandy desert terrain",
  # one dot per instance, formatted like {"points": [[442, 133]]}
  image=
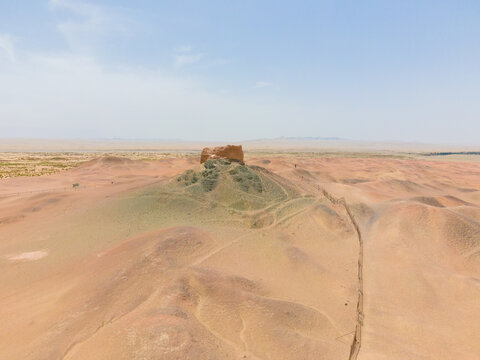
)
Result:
{"points": [[286, 257]]}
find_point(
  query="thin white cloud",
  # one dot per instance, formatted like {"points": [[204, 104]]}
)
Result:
{"points": [[260, 84], [88, 24], [183, 55], [186, 59], [70, 95], [79, 7], [6, 44]]}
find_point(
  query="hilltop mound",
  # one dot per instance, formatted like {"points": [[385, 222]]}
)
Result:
{"points": [[235, 184], [246, 178]]}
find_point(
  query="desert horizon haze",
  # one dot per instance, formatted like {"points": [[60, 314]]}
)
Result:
{"points": [[239, 180]]}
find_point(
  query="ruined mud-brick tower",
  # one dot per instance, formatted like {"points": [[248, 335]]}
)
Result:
{"points": [[232, 152]]}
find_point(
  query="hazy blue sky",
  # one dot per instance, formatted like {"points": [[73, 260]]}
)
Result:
{"points": [[229, 70]]}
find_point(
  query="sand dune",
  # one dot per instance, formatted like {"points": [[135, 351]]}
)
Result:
{"points": [[172, 260]]}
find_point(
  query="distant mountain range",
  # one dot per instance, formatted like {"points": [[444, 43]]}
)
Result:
{"points": [[293, 138]]}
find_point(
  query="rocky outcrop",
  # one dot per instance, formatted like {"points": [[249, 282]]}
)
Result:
{"points": [[232, 152]]}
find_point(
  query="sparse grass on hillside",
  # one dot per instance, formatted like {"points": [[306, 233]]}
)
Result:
{"points": [[235, 185], [246, 178]]}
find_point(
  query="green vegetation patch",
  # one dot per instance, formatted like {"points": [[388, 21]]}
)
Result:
{"points": [[211, 173], [241, 175], [235, 186], [188, 178], [246, 178]]}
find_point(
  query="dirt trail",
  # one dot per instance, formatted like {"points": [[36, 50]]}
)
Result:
{"points": [[357, 339]]}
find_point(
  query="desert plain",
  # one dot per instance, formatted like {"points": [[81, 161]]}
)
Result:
{"points": [[295, 254]]}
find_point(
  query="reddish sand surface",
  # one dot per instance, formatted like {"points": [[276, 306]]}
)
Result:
{"points": [[335, 258]]}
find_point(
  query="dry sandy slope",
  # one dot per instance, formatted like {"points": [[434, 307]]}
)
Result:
{"points": [[147, 268], [420, 223], [141, 268]]}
